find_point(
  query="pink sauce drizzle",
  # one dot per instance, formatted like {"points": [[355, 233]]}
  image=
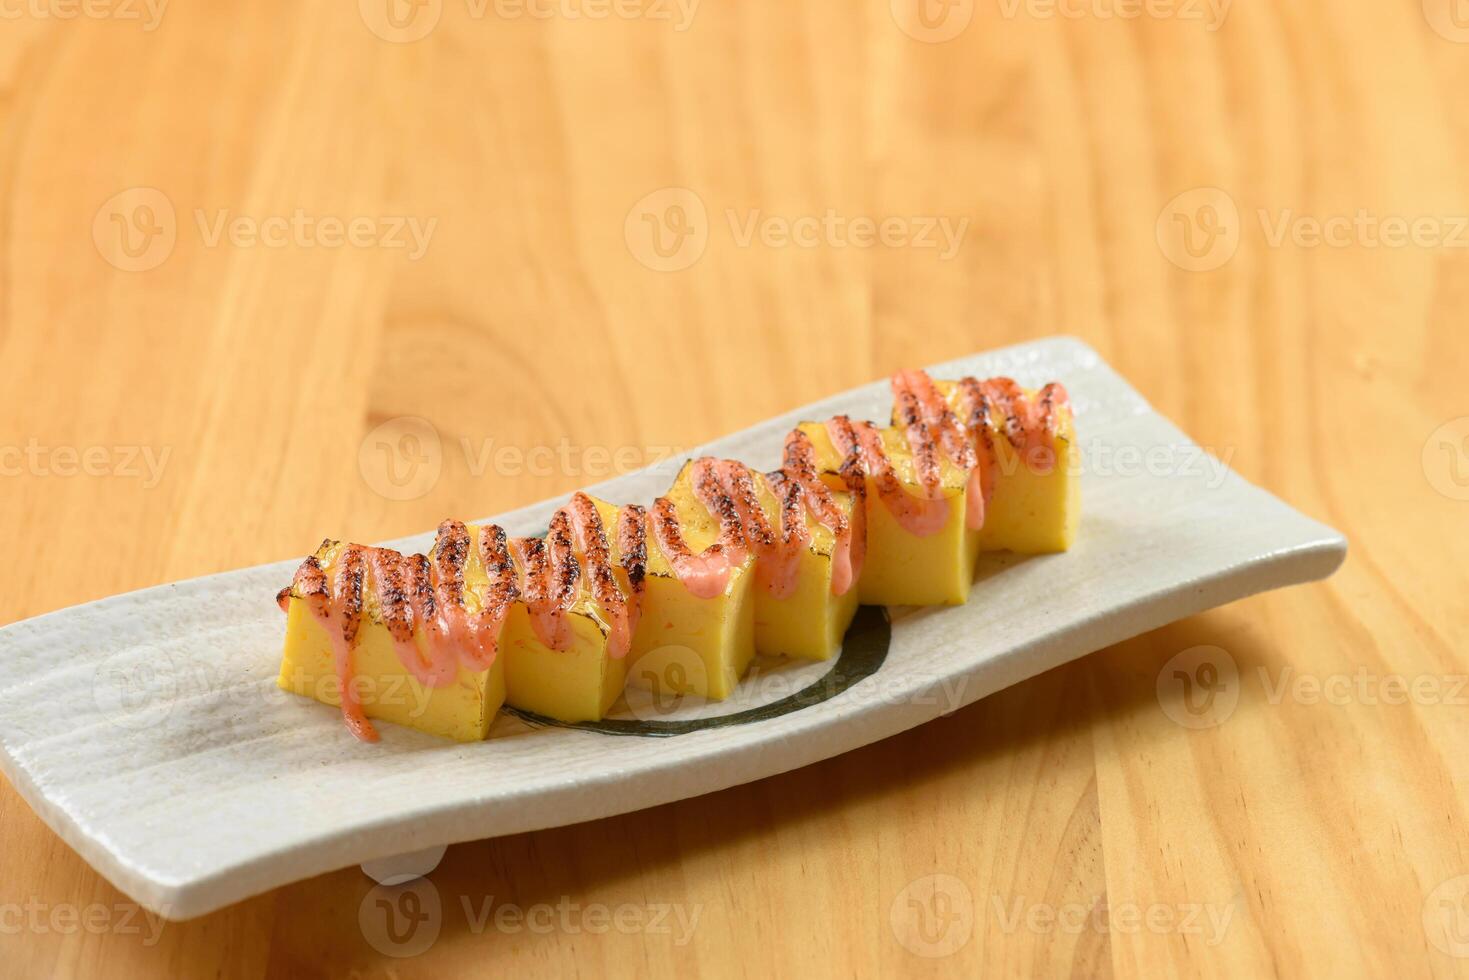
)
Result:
{"points": [[726, 489], [497, 600], [551, 575], [1030, 426], [411, 592], [705, 574], [850, 547], [862, 443], [415, 590], [925, 414], [339, 610], [591, 541], [632, 547]]}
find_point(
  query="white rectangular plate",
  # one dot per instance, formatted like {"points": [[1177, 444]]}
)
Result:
{"points": [[146, 730]]}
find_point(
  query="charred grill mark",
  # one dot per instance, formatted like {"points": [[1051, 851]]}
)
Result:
{"points": [[1008, 399], [664, 518], [926, 456], [1052, 397], [1014, 431], [792, 498], [392, 597], [534, 559], [800, 466], [887, 483], [978, 402], [952, 434], [310, 585], [450, 552], [711, 494], [758, 531], [598, 554], [421, 588], [845, 442], [979, 421], [856, 481], [799, 456], [632, 543], [565, 569], [866, 456], [915, 391], [495, 556], [874, 461], [351, 574], [920, 439]]}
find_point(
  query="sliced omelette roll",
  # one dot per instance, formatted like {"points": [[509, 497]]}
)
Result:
{"points": [[567, 640], [1025, 473], [695, 627], [810, 542], [919, 550], [409, 639]]}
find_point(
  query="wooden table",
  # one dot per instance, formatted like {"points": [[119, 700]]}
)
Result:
{"points": [[640, 230]]}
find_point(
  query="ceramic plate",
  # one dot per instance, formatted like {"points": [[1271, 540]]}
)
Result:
{"points": [[147, 731]]}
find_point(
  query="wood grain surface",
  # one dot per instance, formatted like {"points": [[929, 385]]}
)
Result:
{"points": [[643, 224]]}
